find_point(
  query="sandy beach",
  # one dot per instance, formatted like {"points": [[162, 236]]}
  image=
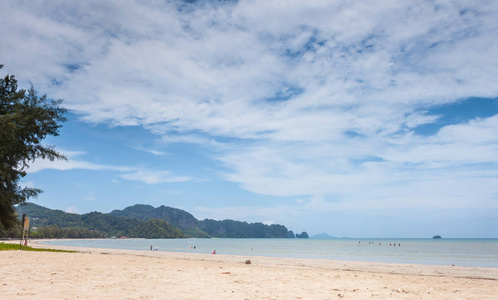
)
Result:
{"points": [[125, 274]]}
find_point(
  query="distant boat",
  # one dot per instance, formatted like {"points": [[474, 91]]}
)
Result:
{"points": [[436, 237]]}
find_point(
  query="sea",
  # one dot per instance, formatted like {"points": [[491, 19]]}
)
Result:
{"points": [[458, 252]]}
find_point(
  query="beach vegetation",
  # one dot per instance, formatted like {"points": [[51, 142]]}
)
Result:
{"points": [[15, 246], [54, 232], [26, 119], [12, 232]]}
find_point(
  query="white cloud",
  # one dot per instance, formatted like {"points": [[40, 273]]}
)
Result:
{"points": [[314, 98], [71, 164], [153, 177], [340, 55], [126, 172], [151, 151], [40, 165]]}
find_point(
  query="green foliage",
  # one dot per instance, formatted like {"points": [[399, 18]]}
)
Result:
{"points": [[58, 224], [25, 120], [41, 216], [192, 227], [156, 229], [54, 232], [237, 229], [106, 224], [137, 211], [12, 232], [114, 226], [176, 217], [195, 233], [9, 246], [142, 221]]}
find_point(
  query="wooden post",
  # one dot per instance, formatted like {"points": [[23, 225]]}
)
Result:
{"points": [[22, 228]]}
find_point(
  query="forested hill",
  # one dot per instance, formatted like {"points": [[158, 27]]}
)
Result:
{"points": [[51, 223], [174, 216], [192, 227], [142, 221]]}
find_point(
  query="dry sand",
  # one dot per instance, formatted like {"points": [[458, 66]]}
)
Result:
{"points": [[120, 274]]}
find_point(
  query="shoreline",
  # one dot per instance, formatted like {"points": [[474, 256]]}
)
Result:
{"points": [[132, 274], [394, 268], [446, 263]]}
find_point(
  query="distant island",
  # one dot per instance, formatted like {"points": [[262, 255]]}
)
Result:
{"points": [[139, 221], [436, 237], [323, 235]]}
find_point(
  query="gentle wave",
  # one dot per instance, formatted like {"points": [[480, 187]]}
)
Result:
{"points": [[459, 252]]}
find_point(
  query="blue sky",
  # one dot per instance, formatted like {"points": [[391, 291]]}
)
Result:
{"points": [[342, 117]]}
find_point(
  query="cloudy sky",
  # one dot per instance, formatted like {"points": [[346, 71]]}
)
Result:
{"points": [[355, 118]]}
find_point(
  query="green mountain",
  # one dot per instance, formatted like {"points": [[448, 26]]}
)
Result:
{"points": [[303, 235], [42, 216], [174, 216], [192, 227], [58, 224], [155, 229], [237, 229], [142, 221]]}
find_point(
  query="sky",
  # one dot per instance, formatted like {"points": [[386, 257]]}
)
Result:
{"points": [[354, 118]]}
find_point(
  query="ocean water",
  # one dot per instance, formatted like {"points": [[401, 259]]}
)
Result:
{"points": [[459, 252]]}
